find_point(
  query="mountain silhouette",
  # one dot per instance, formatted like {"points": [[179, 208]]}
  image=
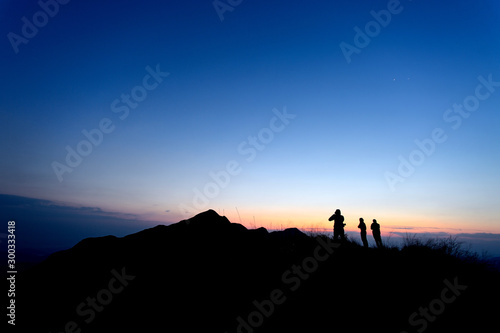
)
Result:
{"points": [[208, 274]]}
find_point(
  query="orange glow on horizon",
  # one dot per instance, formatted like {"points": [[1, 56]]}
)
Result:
{"points": [[389, 224], [280, 218]]}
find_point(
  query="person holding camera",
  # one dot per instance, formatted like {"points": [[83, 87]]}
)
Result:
{"points": [[338, 225]]}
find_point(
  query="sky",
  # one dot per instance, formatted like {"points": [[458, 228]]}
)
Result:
{"points": [[122, 115]]}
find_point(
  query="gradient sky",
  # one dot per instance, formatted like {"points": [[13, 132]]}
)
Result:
{"points": [[349, 121]]}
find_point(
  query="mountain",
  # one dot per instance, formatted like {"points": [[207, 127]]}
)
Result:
{"points": [[208, 274]]}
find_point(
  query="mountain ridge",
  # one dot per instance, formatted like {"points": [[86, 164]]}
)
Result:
{"points": [[208, 273]]}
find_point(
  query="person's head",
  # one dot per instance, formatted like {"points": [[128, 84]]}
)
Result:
{"points": [[361, 219], [374, 221], [337, 212]]}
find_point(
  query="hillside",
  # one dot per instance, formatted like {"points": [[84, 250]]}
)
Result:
{"points": [[208, 274]]}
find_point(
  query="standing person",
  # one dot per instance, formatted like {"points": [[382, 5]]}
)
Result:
{"points": [[362, 227], [376, 233], [338, 225]]}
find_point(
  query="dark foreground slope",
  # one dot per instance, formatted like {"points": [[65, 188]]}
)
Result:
{"points": [[209, 275]]}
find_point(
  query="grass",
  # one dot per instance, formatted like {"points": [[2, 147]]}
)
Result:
{"points": [[450, 246]]}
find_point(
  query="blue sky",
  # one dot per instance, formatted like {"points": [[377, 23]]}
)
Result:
{"points": [[351, 121]]}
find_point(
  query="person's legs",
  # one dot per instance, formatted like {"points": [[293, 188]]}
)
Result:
{"points": [[363, 239]]}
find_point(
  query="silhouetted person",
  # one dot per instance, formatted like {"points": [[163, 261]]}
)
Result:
{"points": [[338, 225], [376, 233], [362, 227]]}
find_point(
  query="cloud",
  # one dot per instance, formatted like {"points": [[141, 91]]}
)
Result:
{"points": [[418, 229], [438, 234], [482, 236], [46, 223], [14, 202], [478, 242]]}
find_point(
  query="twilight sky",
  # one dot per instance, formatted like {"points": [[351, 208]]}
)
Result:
{"points": [[272, 113]]}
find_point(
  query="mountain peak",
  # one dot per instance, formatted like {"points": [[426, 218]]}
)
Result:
{"points": [[211, 222], [208, 217]]}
